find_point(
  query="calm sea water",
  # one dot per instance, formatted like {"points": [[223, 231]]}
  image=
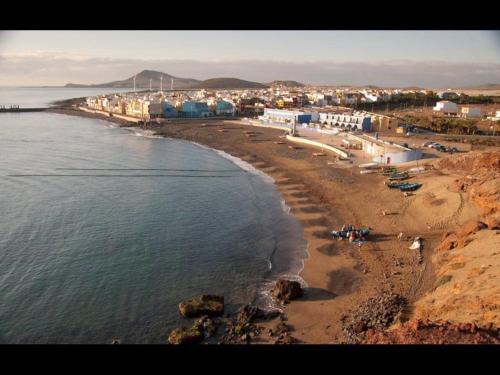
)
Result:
{"points": [[103, 232], [37, 97]]}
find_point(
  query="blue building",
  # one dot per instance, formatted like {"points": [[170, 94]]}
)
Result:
{"points": [[169, 110], [192, 109], [366, 124], [224, 108]]}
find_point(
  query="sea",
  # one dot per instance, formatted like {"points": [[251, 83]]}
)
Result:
{"points": [[104, 230]]}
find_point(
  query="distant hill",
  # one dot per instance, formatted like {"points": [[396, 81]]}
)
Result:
{"points": [[487, 86], [415, 88], [287, 83], [226, 83], [142, 81]]}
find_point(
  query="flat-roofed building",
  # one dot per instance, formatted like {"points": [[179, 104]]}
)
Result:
{"points": [[471, 112], [446, 107], [283, 116], [385, 152], [351, 121]]}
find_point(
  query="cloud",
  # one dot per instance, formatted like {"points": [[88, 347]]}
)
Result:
{"points": [[42, 68]]}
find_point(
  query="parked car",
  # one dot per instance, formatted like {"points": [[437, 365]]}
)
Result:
{"points": [[427, 144], [442, 148], [436, 145]]}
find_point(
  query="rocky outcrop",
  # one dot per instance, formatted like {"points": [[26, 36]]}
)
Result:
{"points": [[250, 313], [207, 304], [241, 328], [376, 313], [183, 335], [286, 290], [207, 326], [467, 285], [427, 332], [486, 195], [477, 162], [279, 329], [470, 228], [460, 237], [493, 221], [466, 263]]}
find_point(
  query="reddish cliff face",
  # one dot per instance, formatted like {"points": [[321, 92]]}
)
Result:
{"points": [[466, 262], [427, 332], [475, 162]]}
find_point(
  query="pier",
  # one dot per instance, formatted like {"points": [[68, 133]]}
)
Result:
{"points": [[17, 108]]}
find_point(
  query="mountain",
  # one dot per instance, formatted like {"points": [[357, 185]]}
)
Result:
{"points": [[287, 83], [226, 83], [142, 81], [487, 86]]}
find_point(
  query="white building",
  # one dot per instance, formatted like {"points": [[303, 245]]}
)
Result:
{"points": [[496, 117], [284, 116], [445, 106], [354, 121], [469, 112]]}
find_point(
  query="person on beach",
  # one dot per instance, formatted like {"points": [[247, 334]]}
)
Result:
{"points": [[353, 236]]}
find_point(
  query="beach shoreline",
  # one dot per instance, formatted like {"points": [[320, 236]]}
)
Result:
{"points": [[338, 275]]}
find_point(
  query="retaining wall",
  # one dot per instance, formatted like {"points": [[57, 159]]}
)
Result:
{"points": [[323, 146]]}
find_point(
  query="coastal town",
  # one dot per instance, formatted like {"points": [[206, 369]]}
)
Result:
{"points": [[342, 120]]}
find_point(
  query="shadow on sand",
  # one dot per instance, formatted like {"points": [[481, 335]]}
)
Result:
{"points": [[317, 294]]}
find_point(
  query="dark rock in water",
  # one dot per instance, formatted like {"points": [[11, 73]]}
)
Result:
{"points": [[207, 326], [185, 335], [248, 314], [286, 290], [269, 315], [207, 304]]}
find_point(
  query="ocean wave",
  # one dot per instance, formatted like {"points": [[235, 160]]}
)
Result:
{"points": [[239, 163], [286, 208], [143, 133]]}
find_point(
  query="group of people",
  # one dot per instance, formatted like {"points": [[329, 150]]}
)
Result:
{"points": [[348, 231]]}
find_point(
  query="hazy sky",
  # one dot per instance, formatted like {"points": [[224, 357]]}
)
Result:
{"points": [[393, 58]]}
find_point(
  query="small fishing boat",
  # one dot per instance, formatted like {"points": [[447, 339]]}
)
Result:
{"points": [[361, 232], [389, 170], [366, 171], [368, 165], [410, 187], [417, 170], [399, 176], [396, 185]]}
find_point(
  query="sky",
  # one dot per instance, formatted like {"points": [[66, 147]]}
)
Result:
{"points": [[383, 58]]}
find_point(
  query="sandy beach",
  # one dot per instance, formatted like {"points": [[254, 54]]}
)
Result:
{"points": [[324, 194]]}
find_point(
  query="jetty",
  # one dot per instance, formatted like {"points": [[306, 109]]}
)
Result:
{"points": [[16, 108]]}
